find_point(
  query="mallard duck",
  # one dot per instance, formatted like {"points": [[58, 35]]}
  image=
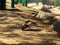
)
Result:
{"points": [[27, 24]]}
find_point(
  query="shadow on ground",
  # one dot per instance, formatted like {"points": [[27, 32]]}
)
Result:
{"points": [[30, 44]]}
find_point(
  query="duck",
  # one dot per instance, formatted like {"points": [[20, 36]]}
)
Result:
{"points": [[26, 25]]}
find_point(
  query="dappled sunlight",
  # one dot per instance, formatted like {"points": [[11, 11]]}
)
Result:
{"points": [[38, 33]]}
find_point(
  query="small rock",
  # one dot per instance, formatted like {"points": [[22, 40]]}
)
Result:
{"points": [[39, 6], [55, 10], [31, 4], [57, 17], [46, 8], [43, 15], [56, 26]]}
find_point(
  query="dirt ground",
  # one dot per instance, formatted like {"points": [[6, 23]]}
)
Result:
{"points": [[10, 32]]}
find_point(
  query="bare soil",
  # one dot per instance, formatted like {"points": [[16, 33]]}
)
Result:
{"points": [[10, 32]]}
